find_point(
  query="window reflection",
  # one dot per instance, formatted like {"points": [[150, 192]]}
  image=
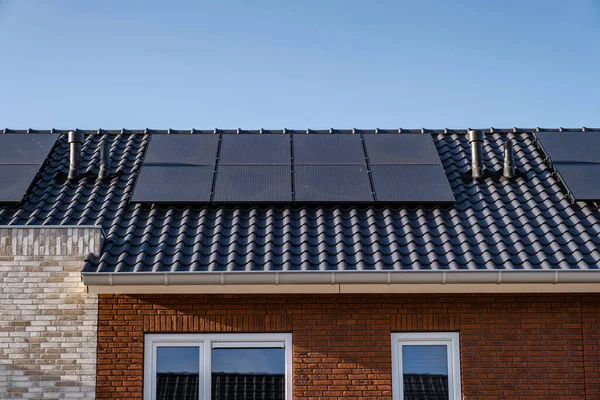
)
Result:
{"points": [[248, 373], [425, 370], [177, 373]]}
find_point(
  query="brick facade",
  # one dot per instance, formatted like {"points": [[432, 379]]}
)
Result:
{"points": [[48, 322], [512, 346], [591, 344]]}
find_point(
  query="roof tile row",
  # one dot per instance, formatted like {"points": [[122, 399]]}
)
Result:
{"points": [[526, 224]]}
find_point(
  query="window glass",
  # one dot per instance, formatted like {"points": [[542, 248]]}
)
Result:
{"points": [[231, 366], [425, 359], [248, 373], [425, 372], [177, 373]]}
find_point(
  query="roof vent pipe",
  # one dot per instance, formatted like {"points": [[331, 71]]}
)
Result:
{"points": [[75, 142], [476, 140], [104, 160], [509, 160]]}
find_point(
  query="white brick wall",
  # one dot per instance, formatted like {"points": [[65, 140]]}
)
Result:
{"points": [[47, 320]]}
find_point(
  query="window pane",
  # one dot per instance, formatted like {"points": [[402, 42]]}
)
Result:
{"points": [[248, 373], [177, 373], [425, 369]]}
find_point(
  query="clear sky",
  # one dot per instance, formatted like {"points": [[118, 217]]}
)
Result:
{"points": [[299, 64]]}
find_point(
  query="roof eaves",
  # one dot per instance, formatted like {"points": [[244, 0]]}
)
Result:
{"points": [[377, 281]]}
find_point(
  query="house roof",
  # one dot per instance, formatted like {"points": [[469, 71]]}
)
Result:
{"points": [[529, 224]]}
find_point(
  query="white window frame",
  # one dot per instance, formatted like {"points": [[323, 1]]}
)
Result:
{"points": [[206, 342], [449, 339]]}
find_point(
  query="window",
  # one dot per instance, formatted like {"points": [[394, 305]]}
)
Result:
{"points": [[426, 366], [218, 367]]}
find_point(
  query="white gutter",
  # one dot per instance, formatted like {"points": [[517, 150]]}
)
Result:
{"points": [[345, 281]]}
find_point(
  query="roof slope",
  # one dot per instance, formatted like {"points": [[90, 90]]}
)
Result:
{"points": [[527, 224]]}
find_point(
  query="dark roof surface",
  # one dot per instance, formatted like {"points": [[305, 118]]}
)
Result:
{"points": [[425, 387], [177, 386], [225, 386], [526, 224]]}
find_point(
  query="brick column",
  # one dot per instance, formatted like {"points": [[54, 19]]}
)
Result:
{"points": [[47, 319]]}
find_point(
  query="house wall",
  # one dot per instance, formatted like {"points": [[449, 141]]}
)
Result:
{"points": [[512, 346], [591, 343], [47, 320]]}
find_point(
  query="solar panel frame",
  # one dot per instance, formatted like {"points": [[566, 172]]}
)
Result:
{"points": [[255, 149], [15, 181], [582, 180], [253, 184], [180, 149], [571, 147], [25, 149], [328, 149], [383, 149], [159, 184], [411, 184], [332, 184]]}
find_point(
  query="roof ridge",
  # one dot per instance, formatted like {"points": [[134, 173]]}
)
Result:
{"points": [[298, 131]]}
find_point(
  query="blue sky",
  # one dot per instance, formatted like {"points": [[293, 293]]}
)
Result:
{"points": [[187, 359], [425, 359], [303, 64]]}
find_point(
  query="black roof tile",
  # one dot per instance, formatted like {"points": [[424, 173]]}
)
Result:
{"points": [[526, 224]]}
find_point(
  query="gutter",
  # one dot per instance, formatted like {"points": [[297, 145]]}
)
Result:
{"points": [[468, 281]]}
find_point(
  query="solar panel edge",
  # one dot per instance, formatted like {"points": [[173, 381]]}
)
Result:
{"points": [[216, 169], [364, 145]]}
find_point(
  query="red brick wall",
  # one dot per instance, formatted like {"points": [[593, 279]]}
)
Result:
{"points": [[591, 344], [512, 346]]}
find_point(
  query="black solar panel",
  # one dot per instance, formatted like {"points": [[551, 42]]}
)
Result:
{"points": [[242, 184], [252, 149], [401, 149], [333, 149], [576, 157], [582, 180], [180, 149], [257, 168], [332, 184], [174, 184], [571, 147], [411, 184], [15, 181], [25, 149]]}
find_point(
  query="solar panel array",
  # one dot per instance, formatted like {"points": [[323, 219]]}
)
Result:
{"points": [[21, 157], [576, 158], [292, 168]]}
